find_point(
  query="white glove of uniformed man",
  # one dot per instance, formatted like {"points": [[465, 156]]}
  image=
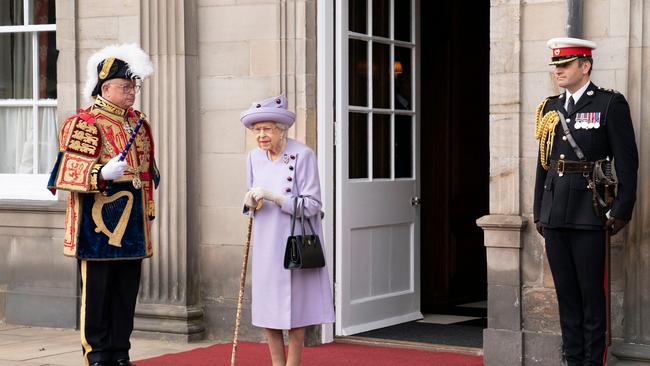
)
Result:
{"points": [[113, 169], [258, 193]]}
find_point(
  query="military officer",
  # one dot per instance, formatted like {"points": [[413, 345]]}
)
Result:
{"points": [[106, 162], [570, 204]]}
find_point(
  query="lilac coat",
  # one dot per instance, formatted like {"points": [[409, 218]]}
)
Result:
{"points": [[284, 299]]}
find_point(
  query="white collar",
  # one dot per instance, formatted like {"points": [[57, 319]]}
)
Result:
{"points": [[577, 94]]}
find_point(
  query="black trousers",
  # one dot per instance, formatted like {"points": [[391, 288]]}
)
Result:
{"points": [[109, 291], [577, 261]]}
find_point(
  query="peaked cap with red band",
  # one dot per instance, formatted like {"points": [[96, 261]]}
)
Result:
{"points": [[568, 49]]}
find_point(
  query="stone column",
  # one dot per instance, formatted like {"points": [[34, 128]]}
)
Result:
{"points": [[503, 338], [635, 348], [169, 286]]}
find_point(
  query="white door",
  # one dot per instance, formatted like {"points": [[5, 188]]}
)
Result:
{"points": [[377, 129]]}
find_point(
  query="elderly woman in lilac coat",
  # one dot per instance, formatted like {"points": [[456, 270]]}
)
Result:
{"points": [[277, 171]]}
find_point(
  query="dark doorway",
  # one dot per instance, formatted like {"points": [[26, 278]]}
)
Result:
{"points": [[454, 87]]}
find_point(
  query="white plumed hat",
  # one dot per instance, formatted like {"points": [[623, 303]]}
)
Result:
{"points": [[127, 61]]}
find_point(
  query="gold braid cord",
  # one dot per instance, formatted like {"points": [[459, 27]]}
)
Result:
{"points": [[545, 132]]}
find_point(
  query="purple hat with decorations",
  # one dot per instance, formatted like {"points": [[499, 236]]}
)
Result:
{"points": [[271, 109]]}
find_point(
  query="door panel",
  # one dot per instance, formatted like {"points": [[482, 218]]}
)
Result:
{"points": [[377, 183]]}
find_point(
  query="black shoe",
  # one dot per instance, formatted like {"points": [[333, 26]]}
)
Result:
{"points": [[124, 362]]}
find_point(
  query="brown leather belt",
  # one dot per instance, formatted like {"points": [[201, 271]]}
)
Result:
{"points": [[569, 166]]}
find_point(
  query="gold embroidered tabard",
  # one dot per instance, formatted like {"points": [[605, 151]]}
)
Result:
{"points": [[87, 141]]}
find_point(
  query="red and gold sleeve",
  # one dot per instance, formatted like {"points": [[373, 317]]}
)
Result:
{"points": [[80, 146]]}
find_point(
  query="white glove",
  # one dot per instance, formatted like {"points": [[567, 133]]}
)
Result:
{"points": [[113, 169], [260, 193], [249, 201]]}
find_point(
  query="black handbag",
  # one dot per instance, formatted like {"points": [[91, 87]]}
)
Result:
{"points": [[305, 250]]}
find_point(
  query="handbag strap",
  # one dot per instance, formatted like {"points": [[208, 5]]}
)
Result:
{"points": [[302, 218], [293, 215]]}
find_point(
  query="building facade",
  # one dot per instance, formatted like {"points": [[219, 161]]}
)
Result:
{"points": [[380, 92]]}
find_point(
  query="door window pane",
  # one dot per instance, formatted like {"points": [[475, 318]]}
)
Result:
{"points": [[403, 146], [47, 55], [358, 16], [380, 18], [403, 80], [11, 12], [358, 69], [358, 145], [381, 146], [380, 75], [16, 70], [403, 20]]}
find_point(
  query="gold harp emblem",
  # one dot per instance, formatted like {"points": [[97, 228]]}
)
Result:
{"points": [[115, 236]]}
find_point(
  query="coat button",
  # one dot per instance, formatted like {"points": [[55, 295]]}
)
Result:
{"points": [[290, 168], [564, 138], [562, 156], [289, 179], [288, 190], [293, 157], [568, 119]]}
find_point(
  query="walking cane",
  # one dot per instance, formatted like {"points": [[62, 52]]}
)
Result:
{"points": [[242, 280]]}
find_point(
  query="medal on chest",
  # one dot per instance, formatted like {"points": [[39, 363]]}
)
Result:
{"points": [[587, 120]]}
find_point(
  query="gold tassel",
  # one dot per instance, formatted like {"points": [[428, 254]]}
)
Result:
{"points": [[538, 118], [546, 132]]}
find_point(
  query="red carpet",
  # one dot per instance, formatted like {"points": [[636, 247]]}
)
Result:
{"points": [[333, 354]]}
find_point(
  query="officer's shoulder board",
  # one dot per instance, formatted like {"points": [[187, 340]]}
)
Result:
{"points": [[610, 91]]}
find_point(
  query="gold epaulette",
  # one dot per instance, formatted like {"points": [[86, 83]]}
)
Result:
{"points": [[538, 118], [545, 131]]}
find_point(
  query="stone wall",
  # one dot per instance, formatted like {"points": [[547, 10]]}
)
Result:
{"points": [[246, 53], [38, 285]]}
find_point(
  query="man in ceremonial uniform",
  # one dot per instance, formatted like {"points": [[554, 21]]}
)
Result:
{"points": [[106, 162], [581, 131]]}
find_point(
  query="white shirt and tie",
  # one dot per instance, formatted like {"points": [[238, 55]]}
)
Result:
{"points": [[574, 97]]}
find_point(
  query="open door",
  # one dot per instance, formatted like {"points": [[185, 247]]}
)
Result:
{"points": [[377, 165]]}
